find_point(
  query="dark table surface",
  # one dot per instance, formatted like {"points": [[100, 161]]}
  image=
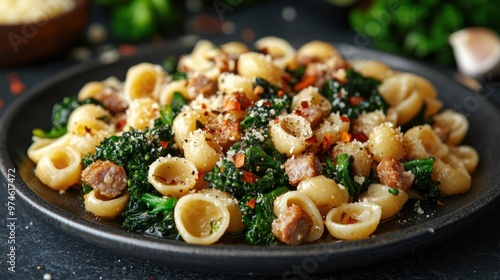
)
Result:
{"points": [[44, 252]]}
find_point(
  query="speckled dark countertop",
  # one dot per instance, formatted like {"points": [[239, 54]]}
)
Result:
{"points": [[44, 252]]}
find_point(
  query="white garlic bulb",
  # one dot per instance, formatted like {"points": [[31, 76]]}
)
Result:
{"points": [[477, 51]]}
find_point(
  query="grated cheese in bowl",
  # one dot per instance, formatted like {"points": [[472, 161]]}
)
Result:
{"points": [[31, 11]]}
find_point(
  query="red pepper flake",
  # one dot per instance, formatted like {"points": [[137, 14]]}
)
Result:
{"points": [[120, 124], [345, 137], [251, 203], [232, 105], [164, 144], [249, 177], [281, 93], [312, 140], [326, 143], [355, 100], [239, 160], [351, 220], [345, 118], [308, 80], [276, 120], [304, 104], [126, 50], [258, 90], [16, 86], [360, 136], [200, 177], [267, 104]]}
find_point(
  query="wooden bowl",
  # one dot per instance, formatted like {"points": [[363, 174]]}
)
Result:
{"points": [[30, 42]]}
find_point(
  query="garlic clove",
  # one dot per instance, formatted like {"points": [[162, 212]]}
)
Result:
{"points": [[477, 51]]}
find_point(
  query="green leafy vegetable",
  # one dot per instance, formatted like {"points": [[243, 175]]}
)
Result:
{"points": [[412, 27], [259, 217], [151, 214], [60, 116], [134, 20], [358, 95], [423, 182]]}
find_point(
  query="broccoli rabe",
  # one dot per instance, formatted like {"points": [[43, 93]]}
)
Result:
{"points": [[358, 95], [60, 116], [135, 150], [423, 182], [260, 173], [270, 168], [258, 216], [273, 102], [151, 214], [170, 65], [169, 112], [341, 170], [255, 183], [226, 177]]}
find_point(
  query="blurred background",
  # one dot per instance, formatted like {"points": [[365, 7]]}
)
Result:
{"points": [[49, 36]]}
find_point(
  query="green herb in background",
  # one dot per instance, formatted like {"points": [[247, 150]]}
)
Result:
{"points": [[420, 28], [134, 20]]}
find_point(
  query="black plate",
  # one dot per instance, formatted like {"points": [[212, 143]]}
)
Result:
{"points": [[404, 233]]}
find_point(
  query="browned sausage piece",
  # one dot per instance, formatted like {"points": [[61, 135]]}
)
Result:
{"points": [[293, 226], [112, 99], [302, 167], [392, 174], [442, 131], [313, 113], [201, 84], [105, 177], [225, 132]]}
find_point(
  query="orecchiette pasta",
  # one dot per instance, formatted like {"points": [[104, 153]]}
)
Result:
{"points": [[235, 221], [305, 203], [201, 149], [167, 92], [41, 146], [311, 96], [201, 219], [316, 50], [324, 192], [289, 134], [91, 119], [144, 80], [353, 221], [362, 158], [59, 168], [142, 112], [103, 207], [232, 83], [280, 50], [385, 140], [253, 65], [408, 93], [467, 155], [452, 175], [390, 201], [455, 123], [422, 142], [173, 176], [372, 68]]}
